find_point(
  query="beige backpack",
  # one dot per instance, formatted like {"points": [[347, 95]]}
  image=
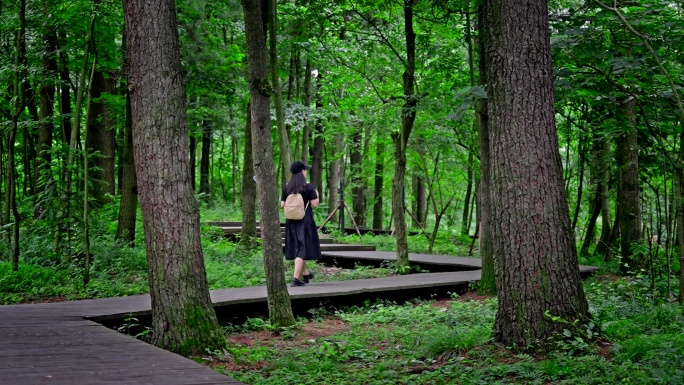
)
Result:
{"points": [[294, 207]]}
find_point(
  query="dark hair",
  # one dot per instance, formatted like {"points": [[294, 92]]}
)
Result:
{"points": [[297, 184]]}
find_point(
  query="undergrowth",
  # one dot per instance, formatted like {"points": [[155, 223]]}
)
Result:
{"points": [[450, 343]]}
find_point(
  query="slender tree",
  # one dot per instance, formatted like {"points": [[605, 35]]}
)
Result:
{"points": [[279, 307], [249, 191], [537, 270], [182, 315]]}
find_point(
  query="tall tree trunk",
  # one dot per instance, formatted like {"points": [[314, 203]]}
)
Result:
{"points": [[591, 225], [204, 160], [283, 140], [17, 107], [306, 132], [183, 318], [604, 165], [193, 161], [628, 195], [537, 271], [335, 173], [317, 163], [64, 211], [357, 179], [465, 220], [487, 284], [279, 307], [43, 171], [249, 190], [679, 212], [379, 178], [408, 117], [101, 140], [64, 94], [129, 184]]}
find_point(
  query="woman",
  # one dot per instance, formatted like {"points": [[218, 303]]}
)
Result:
{"points": [[301, 236]]}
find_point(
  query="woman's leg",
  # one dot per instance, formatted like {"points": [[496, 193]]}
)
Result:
{"points": [[299, 265], [305, 271]]}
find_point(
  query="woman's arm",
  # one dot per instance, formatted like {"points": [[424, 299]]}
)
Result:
{"points": [[313, 202]]}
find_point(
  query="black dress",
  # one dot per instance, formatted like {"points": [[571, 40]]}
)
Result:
{"points": [[301, 236]]}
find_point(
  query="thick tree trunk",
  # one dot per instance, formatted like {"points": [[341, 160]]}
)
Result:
{"points": [[357, 180], [628, 196], [204, 160], [183, 318], [279, 307], [537, 271], [379, 179], [408, 117], [249, 190], [129, 184]]}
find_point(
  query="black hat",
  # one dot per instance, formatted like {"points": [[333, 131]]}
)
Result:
{"points": [[298, 167]]}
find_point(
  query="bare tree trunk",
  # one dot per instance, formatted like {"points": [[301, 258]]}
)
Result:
{"points": [[465, 220], [283, 140], [183, 318], [604, 172], [129, 184], [43, 171], [537, 270], [279, 307], [629, 198], [357, 179], [306, 132], [101, 140], [317, 164], [487, 284], [335, 173], [204, 160], [249, 190], [193, 162], [408, 117], [377, 189]]}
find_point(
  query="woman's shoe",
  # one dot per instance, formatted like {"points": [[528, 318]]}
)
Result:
{"points": [[308, 277], [296, 282]]}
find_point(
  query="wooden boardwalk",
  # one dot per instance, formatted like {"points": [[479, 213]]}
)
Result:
{"points": [[59, 343]]}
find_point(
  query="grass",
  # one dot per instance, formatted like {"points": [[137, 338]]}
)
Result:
{"points": [[636, 340]]}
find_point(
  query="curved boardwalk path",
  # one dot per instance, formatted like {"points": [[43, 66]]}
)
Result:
{"points": [[57, 343]]}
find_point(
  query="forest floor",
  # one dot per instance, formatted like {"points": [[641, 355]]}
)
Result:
{"points": [[633, 338]]}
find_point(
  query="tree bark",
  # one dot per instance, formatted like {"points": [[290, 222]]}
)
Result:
{"points": [[408, 117], [628, 196], [317, 162], [125, 229], [487, 284], [377, 189], [357, 179], [43, 171], [537, 271], [306, 132], [465, 220], [335, 174], [101, 140], [604, 165], [204, 160], [193, 161], [283, 140], [64, 94], [279, 307], [183, 318], [249, 190]]}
